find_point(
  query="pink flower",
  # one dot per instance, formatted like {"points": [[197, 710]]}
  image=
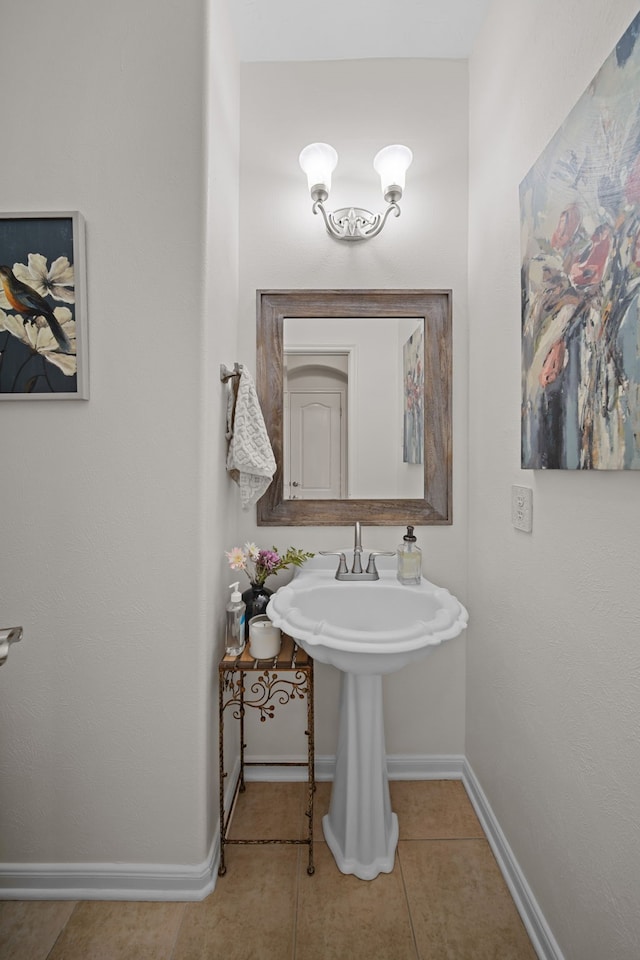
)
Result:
{"points": [[590, 266], [552, 366], [568, 224], [267, 561], [236, 559]]}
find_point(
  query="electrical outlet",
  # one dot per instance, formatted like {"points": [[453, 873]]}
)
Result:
{"points": [[522, 508]]}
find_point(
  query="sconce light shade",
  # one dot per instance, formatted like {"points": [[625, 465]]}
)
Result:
{"points": [[318, 160], [391, 164]]}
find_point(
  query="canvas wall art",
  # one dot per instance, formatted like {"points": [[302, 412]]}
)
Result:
{"points": [[413, 371], [580, 220], [43, 342]]}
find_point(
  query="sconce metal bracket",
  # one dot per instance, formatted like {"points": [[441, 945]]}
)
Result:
{"points": [[354, 223]]}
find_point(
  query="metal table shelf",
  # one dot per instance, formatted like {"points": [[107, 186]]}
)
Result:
{"points": [[263, 690]]}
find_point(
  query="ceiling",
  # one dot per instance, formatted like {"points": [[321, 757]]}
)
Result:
{"points": [[355, 29]]}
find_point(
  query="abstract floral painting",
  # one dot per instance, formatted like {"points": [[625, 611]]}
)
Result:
{"points": [[413, 369], [42, 314], [580, 219]]}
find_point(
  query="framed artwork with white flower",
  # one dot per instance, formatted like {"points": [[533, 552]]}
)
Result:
{"points": [[43, 316]]}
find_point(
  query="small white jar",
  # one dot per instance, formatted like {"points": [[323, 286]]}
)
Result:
{"points": [[264, 638]]}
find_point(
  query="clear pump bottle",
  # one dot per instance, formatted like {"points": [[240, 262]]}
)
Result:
{"points": [[409, 559], [234, 637]]}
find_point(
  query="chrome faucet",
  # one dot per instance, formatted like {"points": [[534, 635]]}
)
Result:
{"points": [[357, 572], [357, 549]]}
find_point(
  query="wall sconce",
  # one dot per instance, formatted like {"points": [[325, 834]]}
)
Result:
{"points": [[319, 160]]}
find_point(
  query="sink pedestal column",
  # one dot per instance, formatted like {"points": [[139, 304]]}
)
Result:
{"points": [[360, 828]]}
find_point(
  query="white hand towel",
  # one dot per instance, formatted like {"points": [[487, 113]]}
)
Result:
{"points": [[250, 459]]}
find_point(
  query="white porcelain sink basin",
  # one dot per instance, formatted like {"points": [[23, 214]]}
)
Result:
{"points": [[372, 627], [365, 629]]}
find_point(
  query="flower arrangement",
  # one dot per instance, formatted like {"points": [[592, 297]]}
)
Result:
{"points": [[258, 564]]}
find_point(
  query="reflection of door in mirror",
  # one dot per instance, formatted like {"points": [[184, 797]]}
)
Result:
{"points": [[315, 425]]}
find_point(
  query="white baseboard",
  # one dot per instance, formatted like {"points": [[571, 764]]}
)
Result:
{"points": [[122, 881], [107, 881], [129, 881], [399, 767], [541, 937], [412, 767]]}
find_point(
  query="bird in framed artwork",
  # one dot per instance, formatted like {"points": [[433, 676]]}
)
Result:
{"points": [[29, 304]]}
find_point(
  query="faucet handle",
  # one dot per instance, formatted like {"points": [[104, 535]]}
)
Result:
{"points": [[342, 565], [371, 565]]}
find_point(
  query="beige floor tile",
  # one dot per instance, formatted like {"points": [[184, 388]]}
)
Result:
{"points": [[460, 906], [251, 913], [268, 811], [119, 930], [343, 918], [433, 809], [29, 928]]}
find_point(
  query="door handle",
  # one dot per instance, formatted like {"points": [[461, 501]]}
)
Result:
{"points": [[8, 635]]}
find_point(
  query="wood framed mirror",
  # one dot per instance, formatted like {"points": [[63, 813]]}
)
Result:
{"points": [[355, 389]]}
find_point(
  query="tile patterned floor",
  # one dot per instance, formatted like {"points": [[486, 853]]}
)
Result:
{"points": [[444, 900]]}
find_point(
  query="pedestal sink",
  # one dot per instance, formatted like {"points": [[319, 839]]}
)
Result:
{"points": [[365, 629]]}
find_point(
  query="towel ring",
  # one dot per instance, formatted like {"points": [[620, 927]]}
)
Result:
{"points": [[225, 376]]}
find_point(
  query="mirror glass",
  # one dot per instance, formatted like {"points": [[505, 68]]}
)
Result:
{"points": [[353, 408], [355, 390]]}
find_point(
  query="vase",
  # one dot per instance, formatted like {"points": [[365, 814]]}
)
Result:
{"points": [[256, 598]]}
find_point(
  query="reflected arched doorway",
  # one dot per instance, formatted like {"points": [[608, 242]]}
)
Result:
{"points": [[315, 426]]}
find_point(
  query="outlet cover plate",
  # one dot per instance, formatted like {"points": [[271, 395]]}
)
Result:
{"points": [[522, 508]]}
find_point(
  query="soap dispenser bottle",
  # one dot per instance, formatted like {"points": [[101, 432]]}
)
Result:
{"points": [[234, 638], [409, 559]]}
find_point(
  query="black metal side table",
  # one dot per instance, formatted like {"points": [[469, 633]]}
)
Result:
{"points": [[265, 688]]}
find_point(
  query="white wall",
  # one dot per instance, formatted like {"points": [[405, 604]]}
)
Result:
{"points": [[105, 707], [553, 684], [359, 107], [220, 346]]}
